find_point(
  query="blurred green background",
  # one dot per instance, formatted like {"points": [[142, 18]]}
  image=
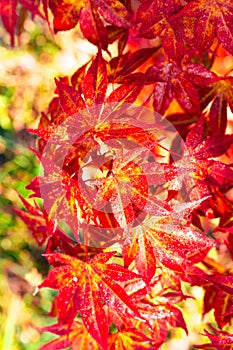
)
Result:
{"points": [[27, 74]]}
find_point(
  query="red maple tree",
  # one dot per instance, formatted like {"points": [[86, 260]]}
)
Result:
{"points": [[136, 163]]}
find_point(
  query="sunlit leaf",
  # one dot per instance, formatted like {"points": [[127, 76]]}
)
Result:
{"points": [[75, 335], [160, 317], [173, 245], [70, 99], [129, 340], [85, 286], [203, 20], [121, 66], [221, 340], [90, 14], [36, 221], [95, 82]]}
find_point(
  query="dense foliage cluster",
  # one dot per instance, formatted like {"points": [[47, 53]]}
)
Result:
{"points": [[123, 241]]}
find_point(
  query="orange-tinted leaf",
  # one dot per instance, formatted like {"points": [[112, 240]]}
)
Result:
{"points": [[70, 99], [125, 188], [127, 93], [95, 82], [92, 26], [43, 133], [122, 65], [78, 76], [160, 317], [67, 14], [90, 14], [141, 250], [145, 258], [75, 335], [87, 284], [55, 112], [36, 221], [203, 20], [171, 283], [173, 245], [114, 12], [129, 339]]}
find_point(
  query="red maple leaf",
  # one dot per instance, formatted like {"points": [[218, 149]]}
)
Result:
{"points": [[173, 245], [160, 317], [87, 287], [210, 173], [220, 95], [173, 82], [120, 67], [204, 20], [74, 335], [155, 19], [90, 15], [36, 220], [221, 340], [129, 339]]}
